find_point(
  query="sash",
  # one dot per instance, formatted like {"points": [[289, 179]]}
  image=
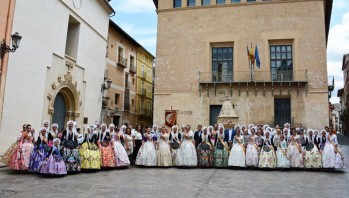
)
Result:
{"points": [[337, 149], [283, 152], [225, 145], [242, 146]]}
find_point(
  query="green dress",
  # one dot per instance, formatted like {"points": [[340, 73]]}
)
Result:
{"points": [[221, 154]]}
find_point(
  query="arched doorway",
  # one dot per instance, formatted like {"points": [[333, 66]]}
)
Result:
{"points": [[60, 110]]}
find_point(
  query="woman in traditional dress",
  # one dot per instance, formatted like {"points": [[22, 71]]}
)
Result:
{"points": [[70, 152], [237, 155], [312, 157], [323, 140], [54, 164], [267, 157], [303, 139], [129, 144], [13, 151], [332, 156], [40, 153], [106, 148], [282, 160], [164, 151], [155, 132], [213, 135], [221, 151], [175, 139], [287, 135], [252, 151], [186, 155], [138, 137], [276, 139], [121, 158], [294, 151], [27, 148], [147, 153], [90, 155], [205, 150]]}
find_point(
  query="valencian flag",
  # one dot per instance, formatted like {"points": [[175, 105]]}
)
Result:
{"points": [[256, 56], [250, 55], [170, 118]]}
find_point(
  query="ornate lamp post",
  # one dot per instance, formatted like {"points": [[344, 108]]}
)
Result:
{"points": [[4, 48]]}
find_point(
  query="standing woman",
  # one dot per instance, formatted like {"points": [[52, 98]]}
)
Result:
{"points": [[323, 140], [282, 160], [121, 158], [294, 151], [129, 144], [27, 148], [89, 151], [147, 153], [205, 150], [106, 148], [138, 137], [213, 135], [267, 157], [70, 153], [332, 156], [312, 158], [252, 151], [164, 152], [41, 152], [237, 155], [54, 164], [11, 155], [186, 155], [221, 151], [175, 139]]}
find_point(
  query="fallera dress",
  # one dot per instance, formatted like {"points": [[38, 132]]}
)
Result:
{"points": [[267, 158], [186, 155], [281, 155], [294, 152], [147, 154], [39, 155], [221, 154], [331, 157], [312, 157], [121, 157], [237, 155], [90, 155], [70, 152], [17, 157], [106, 149], [252, 153], [54, 164], [205, 152], [164, 152]]}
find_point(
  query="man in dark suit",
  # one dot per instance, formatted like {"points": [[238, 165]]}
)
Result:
{"points": [[229, 134], [197, 136]]}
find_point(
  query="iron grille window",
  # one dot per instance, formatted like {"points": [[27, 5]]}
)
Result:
{"points": [[281, 63], [222, 64]]}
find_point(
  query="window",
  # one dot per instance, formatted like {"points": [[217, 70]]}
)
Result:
{"points": [[133, 81], [220, 1], [72, 42], [126, 81], [205, 2], [116, 100], [148, 88], [222, 64], [133, 102], [121, 59], [132, 61], [238, 1], [250, 0], [191, 3], [281, 63], [143, 71], [142, 106], [149, 73], [149, 108], [177, 3]]}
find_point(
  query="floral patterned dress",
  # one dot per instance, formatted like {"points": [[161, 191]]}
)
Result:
{"points": [[331, 156], [312, 158], [54, 165], [281, 155], [294, 152], [121, 157], [39, 154], [147, 154], [267, 158], [71, 155], [252, 153], [106, 149], [90, 155], [205, 152], [221, 154]]}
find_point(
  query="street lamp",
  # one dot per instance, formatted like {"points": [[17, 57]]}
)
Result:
{"points": [[106, 85], [4, 48]]}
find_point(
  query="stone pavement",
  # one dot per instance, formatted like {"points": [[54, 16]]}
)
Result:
{"points": [[179, 182]]}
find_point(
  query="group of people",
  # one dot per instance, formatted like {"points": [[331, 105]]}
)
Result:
{"points": [[67, 151]]}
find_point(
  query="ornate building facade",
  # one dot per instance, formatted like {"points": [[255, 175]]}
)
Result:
{"points": [[202, 61]]}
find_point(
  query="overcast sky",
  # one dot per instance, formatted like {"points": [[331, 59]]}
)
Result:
{"points": [[138, 18]]}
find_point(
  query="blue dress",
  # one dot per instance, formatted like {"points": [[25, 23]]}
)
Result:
{"points": [[38, 155]]}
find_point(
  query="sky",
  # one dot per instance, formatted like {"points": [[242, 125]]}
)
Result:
{"points": [[139, 19]]}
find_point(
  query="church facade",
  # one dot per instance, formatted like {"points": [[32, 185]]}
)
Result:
{"points": [[202, 61]]}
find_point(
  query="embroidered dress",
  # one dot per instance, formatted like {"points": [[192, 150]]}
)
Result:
{"points": [[205, 152], [39, 155], [237, 154], [175, 139], [252, 153], [331, 158], [221, 154], [186, 155], [164, 152], [27, 149], [70, 152], [90, 155], [312, 158], [107, 152], [281, 155], [267, 157], [147, 154], [121, 157], [54, 165], [294, 152], [17, 157]]}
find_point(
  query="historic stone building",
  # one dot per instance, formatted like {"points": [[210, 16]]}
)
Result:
{"points": [[144, 87], [343, 94], [58, 72], [202, 61]]}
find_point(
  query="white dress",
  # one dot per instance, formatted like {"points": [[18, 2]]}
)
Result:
{"points": [[147, 153], [281, 155], [252, 154], [129, 149], [121, 157], [186, 154], [164, 151], [330, 159], [237, 154]]}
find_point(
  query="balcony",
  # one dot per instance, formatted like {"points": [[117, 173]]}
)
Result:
{"points": [[122, 62], [143, 92], [133, 68], [143, 75], [279, 80]]}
